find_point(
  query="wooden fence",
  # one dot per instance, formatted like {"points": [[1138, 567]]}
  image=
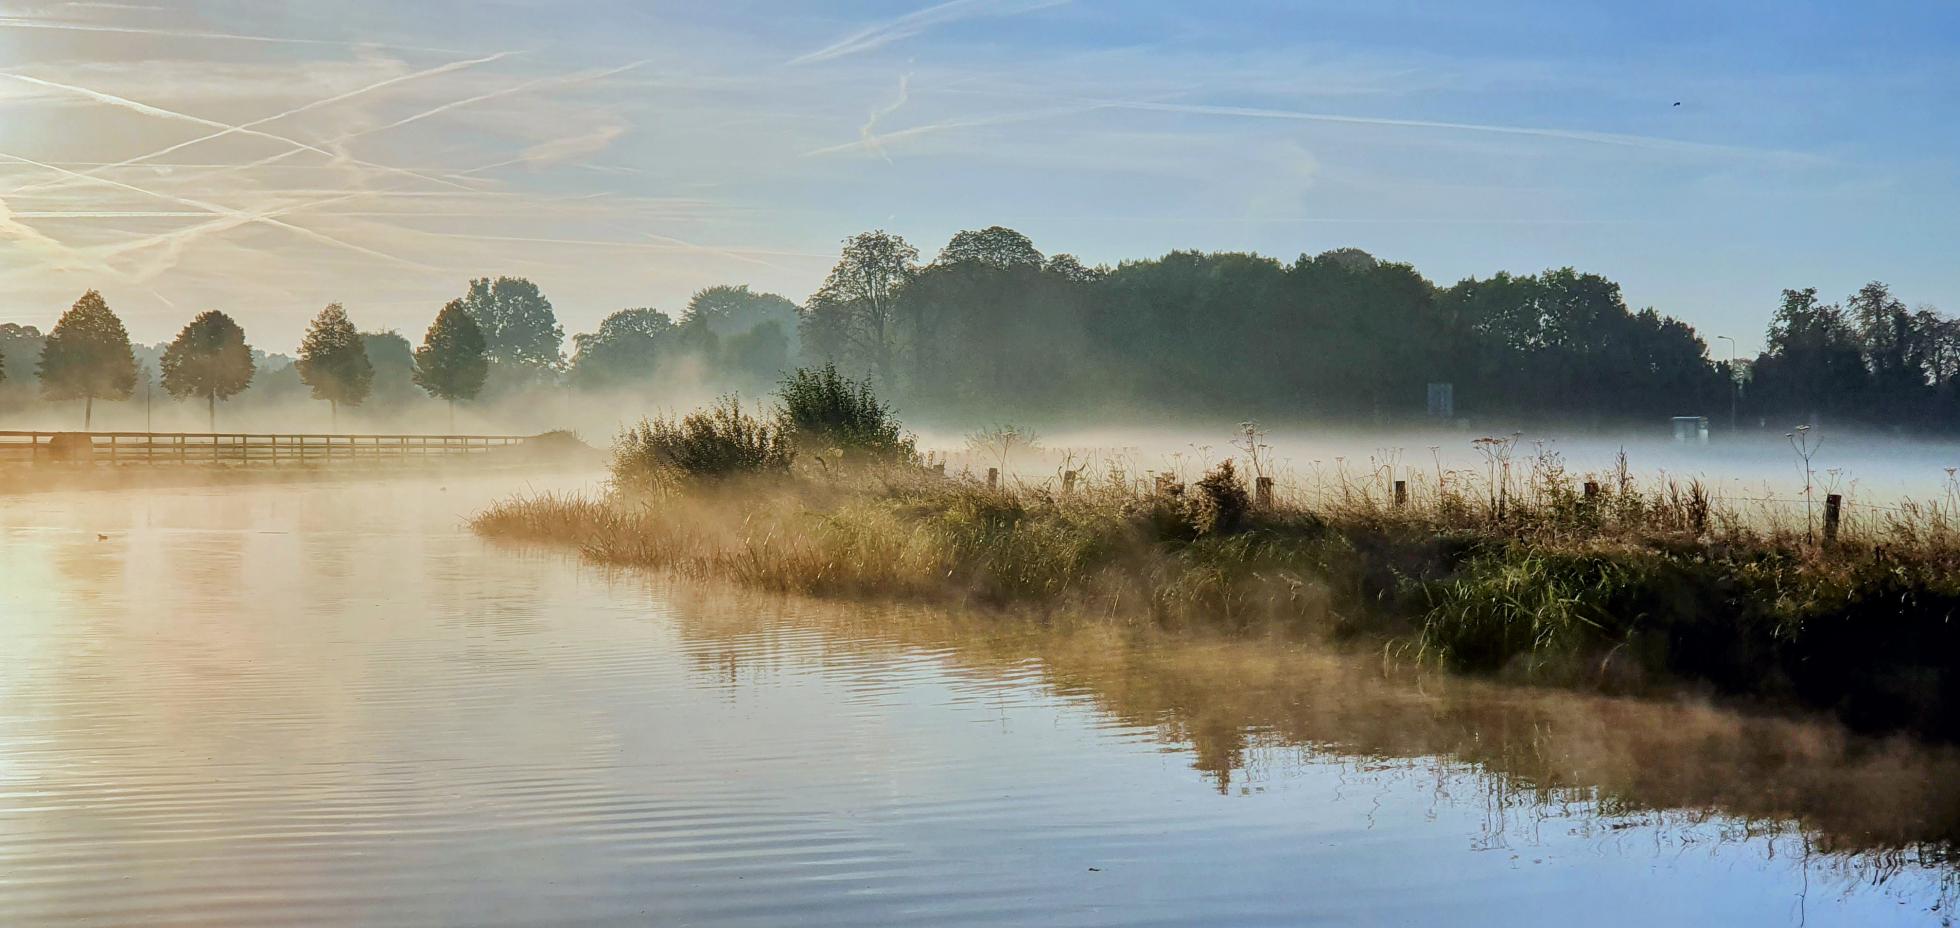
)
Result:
{"points": [[240, 448]]}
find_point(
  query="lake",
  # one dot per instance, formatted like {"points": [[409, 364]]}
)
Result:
{"points": [[331, 704]]}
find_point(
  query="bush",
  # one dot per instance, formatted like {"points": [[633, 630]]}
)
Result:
{"points": [[821, 410], [721, 441], [1221, 505]]}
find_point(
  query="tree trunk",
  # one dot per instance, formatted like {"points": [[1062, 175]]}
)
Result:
{"points": [[88, 413], [452, 416], [333, 416], [211, 402]]}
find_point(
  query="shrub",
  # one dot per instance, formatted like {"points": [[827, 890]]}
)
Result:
{"points": [[1221, 504], [821, 410], [721, 441]]}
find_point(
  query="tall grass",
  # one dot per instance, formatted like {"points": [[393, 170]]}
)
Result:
{"points": [[1519, 569]]}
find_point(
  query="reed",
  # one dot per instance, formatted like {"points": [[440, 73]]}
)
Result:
{"points": [[1514, 571]]}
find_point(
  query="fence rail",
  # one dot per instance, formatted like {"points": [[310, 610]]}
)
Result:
{"points": [[239, 447]]}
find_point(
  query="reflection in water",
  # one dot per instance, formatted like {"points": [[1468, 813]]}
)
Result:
{"points": [[330, 705]]}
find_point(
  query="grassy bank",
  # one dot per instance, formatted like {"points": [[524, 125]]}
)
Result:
{"points": [[1523, 576]]}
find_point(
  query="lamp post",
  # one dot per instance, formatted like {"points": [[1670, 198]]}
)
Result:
{"points": [[1733, 385]]}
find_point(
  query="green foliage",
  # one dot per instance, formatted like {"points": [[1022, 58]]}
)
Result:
{"points": [[87, 355], [820, 409], [333, 359], [392, 358], [451, 364], [627, 348], [520, 331], [729, 311], [210, 359], [854, 318], [719, 442], [995, 246]]}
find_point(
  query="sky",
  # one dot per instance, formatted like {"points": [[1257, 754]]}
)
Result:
{"points": [[267, 158]]}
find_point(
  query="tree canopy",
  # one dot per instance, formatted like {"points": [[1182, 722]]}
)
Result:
{"points": [[734, 310], [87, 357], [854, 317], [209, 358], [333, 359], [627, 348], [452, 362], [520, 331]]}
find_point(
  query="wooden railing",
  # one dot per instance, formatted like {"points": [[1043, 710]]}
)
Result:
{"points": [[239, 447]]}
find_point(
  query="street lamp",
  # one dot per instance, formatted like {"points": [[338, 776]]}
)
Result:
{"points": [[1734, 386]]}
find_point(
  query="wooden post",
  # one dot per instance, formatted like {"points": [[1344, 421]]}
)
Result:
{"points": [[993, 477], [112, 449], [1262, 492], [1068, 482], [1401, 493], [1592, 490], [1833, 508]]}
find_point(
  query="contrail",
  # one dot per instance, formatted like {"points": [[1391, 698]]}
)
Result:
{"points": [[20, 22], [1570, 135], [575, 78], [245, 127], [912, 24], [877, 142], [580, 77], [871, 122], [264, 217], [161, 113]]}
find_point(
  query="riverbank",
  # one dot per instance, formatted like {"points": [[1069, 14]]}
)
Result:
{"points": [[1628, 590]]}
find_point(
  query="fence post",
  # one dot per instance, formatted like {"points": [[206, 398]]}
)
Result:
{"points": [[1401, 493], [993, 477], [1068, 482], [1262, 492], [1833, 507]]}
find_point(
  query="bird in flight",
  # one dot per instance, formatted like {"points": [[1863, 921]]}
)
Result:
{"points": [[1677, 103]]}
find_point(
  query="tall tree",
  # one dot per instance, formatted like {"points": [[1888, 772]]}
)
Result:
{"points": [[627, 348], [994, 246], [393, 358], [87, 357], [208, 358], [452, 363], [727, 310], [853, 316], [520, 331], [333, 361]]}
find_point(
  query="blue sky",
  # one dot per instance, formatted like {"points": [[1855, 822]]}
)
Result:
{"points": [[266, 158]]}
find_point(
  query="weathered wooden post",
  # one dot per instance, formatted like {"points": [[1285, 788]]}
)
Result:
{"points": [[993, 478], [1262, 492], [1401, 493], [1833, 508], [1068, 482]]}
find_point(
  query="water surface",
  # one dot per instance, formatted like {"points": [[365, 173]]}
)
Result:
{"points": [[330, 704]]}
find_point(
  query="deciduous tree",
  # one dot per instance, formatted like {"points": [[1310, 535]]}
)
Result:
{"points": [[209, 358], [452, 363], [87, 357], [333, 361]]}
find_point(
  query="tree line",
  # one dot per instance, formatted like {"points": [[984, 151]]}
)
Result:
{"points": [[991, 326]]}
